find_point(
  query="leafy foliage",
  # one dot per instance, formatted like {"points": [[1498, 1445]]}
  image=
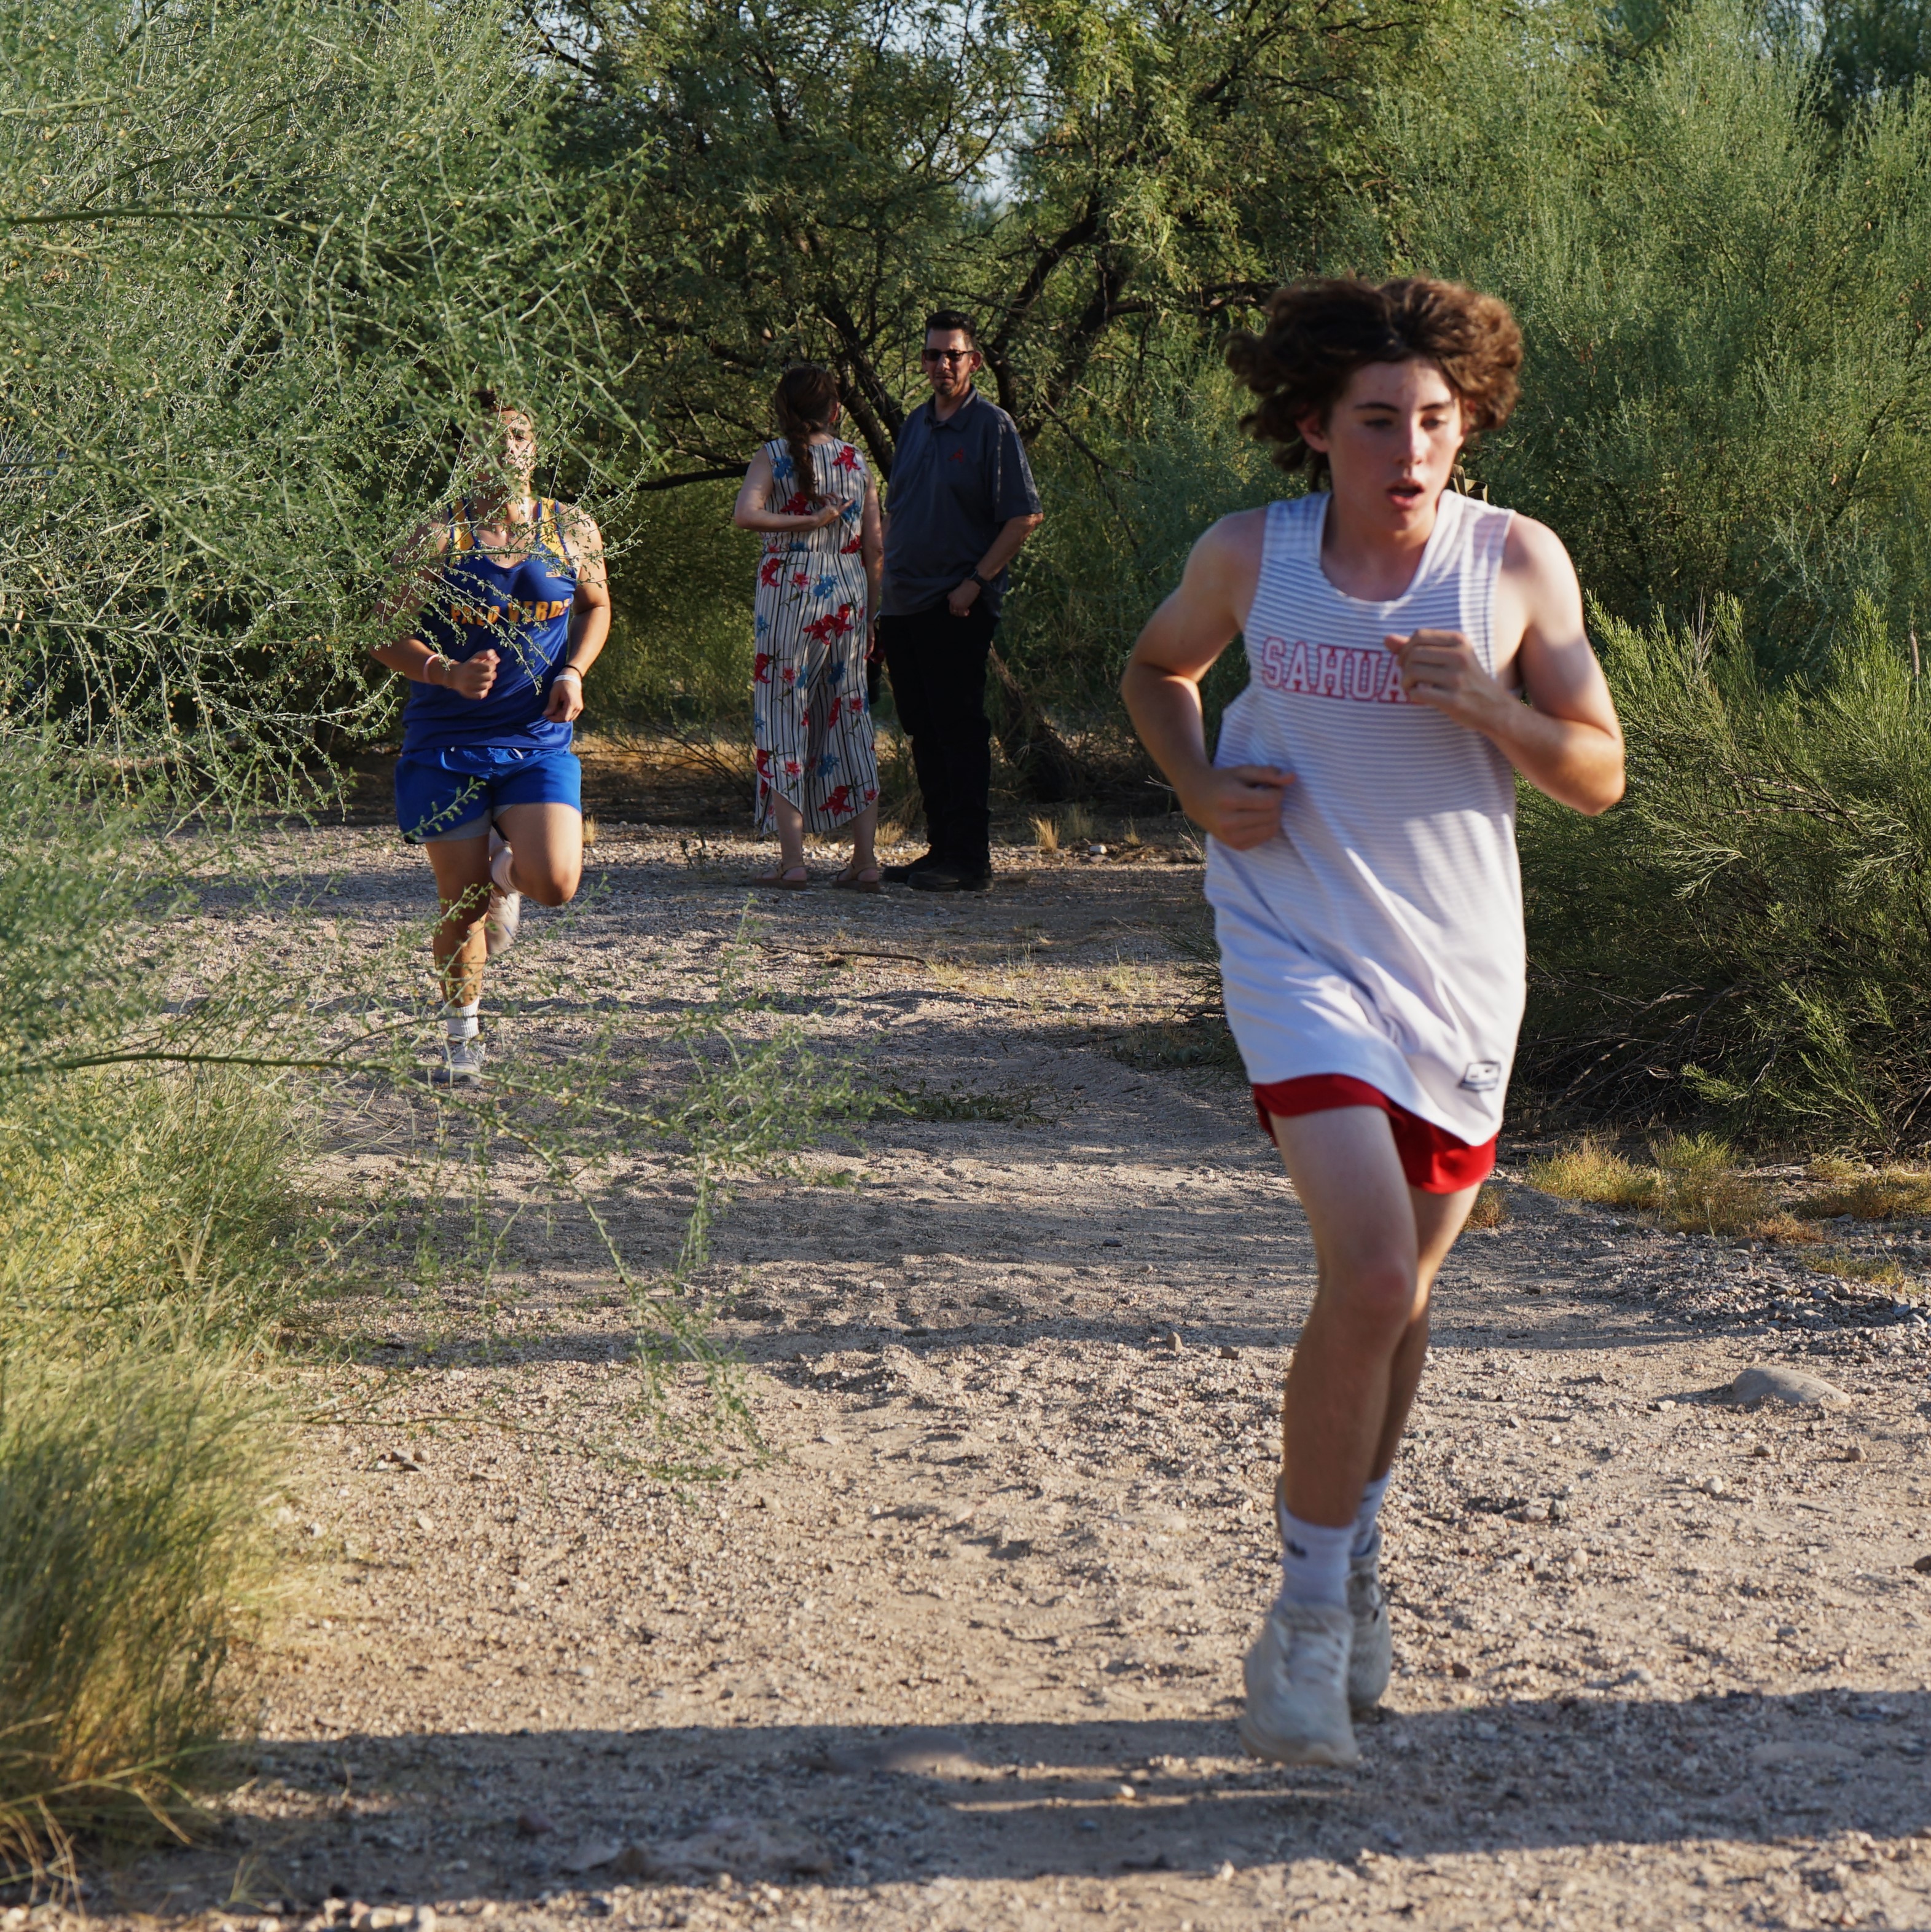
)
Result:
{"points": [[1724, 307], [1750, 933]]}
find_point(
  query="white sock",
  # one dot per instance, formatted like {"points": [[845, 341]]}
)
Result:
{"points": [[1367, 1543], [1314, 1562], [460, 1022], [499, 870]]}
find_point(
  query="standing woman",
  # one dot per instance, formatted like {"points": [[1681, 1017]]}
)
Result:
{"points": [[512, 606], [817, 593]]}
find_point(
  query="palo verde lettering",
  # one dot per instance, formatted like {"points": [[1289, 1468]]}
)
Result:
{"points": [[1343, 671], [512, 612]]}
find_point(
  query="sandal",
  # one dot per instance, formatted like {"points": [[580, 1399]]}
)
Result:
{"points": [[783, 882], [855, 880]]}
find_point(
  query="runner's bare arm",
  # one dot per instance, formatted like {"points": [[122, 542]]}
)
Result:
{"points": [[1239, 805], [1566, 740], [589, 612], [411, 579], [871, 547]]}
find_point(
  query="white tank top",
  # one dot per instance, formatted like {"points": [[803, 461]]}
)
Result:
{"points": [[1380, 934]]}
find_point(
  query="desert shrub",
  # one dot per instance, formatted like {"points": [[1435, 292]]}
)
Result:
{"points": [[1748, 935], [679, 653], [133, 1490], [1722, 299]]}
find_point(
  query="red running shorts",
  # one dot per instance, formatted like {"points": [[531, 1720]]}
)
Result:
{"points": [[1431, 1157]]}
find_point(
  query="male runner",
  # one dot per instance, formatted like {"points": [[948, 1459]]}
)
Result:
{"points": [[507, 605], [1407, 645]]}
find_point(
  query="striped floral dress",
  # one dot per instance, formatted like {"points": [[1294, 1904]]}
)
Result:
{"points": [[811, 725]]}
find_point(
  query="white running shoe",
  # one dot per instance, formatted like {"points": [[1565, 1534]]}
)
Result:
{"points": [[1371, 1655], [505, 912], [462, 1064], [1296, 1677]]}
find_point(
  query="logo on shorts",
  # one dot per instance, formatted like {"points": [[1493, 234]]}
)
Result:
{"points": [[1483, 1076]]}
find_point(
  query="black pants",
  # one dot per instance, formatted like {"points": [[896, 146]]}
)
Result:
{"points": [[937, 663]]}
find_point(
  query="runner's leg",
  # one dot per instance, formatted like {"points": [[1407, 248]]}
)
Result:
{"points": [[1439, 1220], [1343, 1166], [462, 869], [547, 847]]}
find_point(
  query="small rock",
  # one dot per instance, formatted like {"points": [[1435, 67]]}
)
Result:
{"points": [[1226, 1871], [1173, 1344], [1641, 1674], [1227, 1355], [1558, 1511], [422, 1521], [1096, 851], [1536, 1513], [1790, 1386], [1922, 1566], [1855, 1453], [534, 1824], [425, 1918], [595, 1852], [1459, 1669], [1714, 1486]]}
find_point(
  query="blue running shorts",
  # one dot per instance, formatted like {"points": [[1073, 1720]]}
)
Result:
{"points": [[457, 793]]}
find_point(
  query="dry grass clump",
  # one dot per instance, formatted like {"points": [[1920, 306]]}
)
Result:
{"points": [[133, 1488], [1592, 1170], [1700, 1188], [1076, 825], [1491, 1207], [1874, 1270], [1693, 1186], [1046, 835], [1886, 1194]]}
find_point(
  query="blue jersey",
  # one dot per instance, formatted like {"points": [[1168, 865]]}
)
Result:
{"points": [[520, 611]]}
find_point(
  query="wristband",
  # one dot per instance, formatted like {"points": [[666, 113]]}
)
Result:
{"points": [[570, 671], [973, 577], [435, 658]]}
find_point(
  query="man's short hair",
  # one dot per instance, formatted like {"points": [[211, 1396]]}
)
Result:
{"points": [[947, 319], [1319, 333]]}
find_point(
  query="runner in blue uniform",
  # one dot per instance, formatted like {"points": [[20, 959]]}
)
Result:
{"points": [[512, 606]]}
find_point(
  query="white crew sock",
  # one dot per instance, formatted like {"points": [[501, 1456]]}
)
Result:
{"points": [[1314, 1562], [460, 1022], [499, 869], [1367, 1543]]}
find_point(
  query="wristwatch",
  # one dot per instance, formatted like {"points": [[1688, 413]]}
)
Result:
{"points": [[973, 577]]}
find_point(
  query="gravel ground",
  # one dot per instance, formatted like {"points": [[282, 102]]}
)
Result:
{"points": [[965, 1653]]}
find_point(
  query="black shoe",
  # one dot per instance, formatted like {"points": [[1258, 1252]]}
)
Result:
{"points": [[902, 875], [952, 878]]}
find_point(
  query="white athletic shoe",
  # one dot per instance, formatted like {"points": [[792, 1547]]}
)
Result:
{"points": [[1296, 1677], [506, 912], [462, 1064], [1371, 1654]]}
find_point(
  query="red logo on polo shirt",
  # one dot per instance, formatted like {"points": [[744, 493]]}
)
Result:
{"points": [[956, 456]]}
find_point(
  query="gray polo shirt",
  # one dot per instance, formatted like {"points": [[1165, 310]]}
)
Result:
{"points": [[955, 485]]}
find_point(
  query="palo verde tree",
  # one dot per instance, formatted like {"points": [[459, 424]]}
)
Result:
{"points": [[253, 262], [811, 177]]}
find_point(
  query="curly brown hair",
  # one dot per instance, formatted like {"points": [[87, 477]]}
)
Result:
{"points": [[1319, 332]]}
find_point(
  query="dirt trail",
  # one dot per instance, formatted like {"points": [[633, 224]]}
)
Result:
{"points": [[966, 1654]]}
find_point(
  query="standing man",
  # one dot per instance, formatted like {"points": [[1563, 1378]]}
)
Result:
{"points": [[961, 502], [1410, 652]]}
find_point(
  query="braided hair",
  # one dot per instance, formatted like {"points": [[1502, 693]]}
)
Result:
{"points": [[806, 397]]}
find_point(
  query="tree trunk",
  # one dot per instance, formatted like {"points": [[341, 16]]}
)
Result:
{"points": [[1047, 769]]}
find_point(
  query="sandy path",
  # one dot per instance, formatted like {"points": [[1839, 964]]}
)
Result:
{"points": [[965, 1653]]}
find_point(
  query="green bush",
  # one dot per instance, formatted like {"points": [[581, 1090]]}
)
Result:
{"points": [[1749, 934]]}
